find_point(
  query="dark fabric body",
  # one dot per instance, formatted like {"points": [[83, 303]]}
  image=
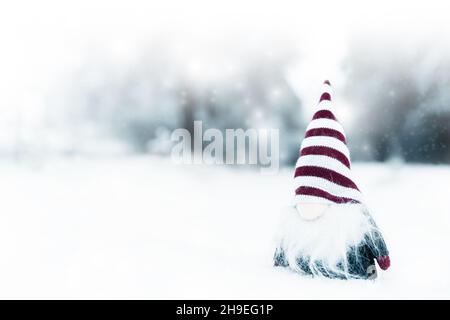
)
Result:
{"points": [[360, 260]]}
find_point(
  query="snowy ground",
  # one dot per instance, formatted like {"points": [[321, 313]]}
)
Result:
{"points": [[144, 228]]}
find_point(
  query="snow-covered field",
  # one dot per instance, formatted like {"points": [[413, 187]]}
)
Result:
{"points": [[144, 228]]}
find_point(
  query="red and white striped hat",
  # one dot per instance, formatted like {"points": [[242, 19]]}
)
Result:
{"points": [[322, 173]]}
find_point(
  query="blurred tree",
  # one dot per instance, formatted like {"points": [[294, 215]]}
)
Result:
{"points": [[401, 102], [141, 102]]}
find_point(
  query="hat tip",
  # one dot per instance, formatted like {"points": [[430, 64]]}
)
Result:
{"points": [[327, 82]]}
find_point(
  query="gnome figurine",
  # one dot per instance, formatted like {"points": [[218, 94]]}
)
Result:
{"points": [[328, 231]]}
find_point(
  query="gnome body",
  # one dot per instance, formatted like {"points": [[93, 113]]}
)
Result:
{"points": [[328, 231]]}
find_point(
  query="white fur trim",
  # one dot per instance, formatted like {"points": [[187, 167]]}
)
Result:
{"points": [[326, 239]]}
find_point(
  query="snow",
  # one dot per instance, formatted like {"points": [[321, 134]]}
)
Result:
{"points": [[145, 228]]}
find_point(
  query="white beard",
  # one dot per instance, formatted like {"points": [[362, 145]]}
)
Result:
{"points": [[327, 239]]}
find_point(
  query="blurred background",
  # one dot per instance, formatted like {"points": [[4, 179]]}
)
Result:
{"points": [[110, 78], [91, 205]]}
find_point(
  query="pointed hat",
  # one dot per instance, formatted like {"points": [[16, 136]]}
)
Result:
{"points": [[322, 172]]}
